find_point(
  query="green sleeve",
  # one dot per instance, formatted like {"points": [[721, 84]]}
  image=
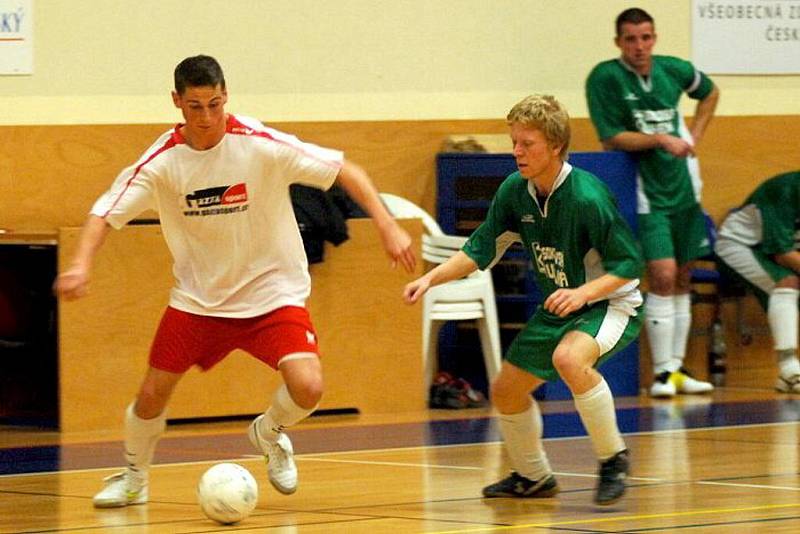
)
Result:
{"points": [[608, 119], [489, 241], [694, 82]]}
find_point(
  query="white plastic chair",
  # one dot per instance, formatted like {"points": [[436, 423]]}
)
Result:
{"points": [[471, 298]]}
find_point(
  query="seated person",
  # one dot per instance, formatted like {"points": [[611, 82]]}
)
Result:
{"points": [[757, 241]]}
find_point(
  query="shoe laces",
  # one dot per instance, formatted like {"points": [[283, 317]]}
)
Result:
{"points": [[277, 454], [128, 482]]}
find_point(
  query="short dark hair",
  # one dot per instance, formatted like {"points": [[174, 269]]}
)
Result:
{"points": [[633, 15], [198, 71]]}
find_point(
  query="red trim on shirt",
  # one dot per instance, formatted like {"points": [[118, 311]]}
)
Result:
{"points": [[235, 127], [175, 139]]}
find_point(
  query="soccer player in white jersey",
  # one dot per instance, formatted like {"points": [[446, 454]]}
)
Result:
{"points": [[586, 265], [633, 103], [760, 242], [220, 183]]}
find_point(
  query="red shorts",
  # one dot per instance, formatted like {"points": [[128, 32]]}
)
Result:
{"points": [[185, 339]]}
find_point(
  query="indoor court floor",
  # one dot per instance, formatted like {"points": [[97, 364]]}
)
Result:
{"points": [[723, 463]]}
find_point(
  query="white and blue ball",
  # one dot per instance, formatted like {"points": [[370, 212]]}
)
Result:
{"points": [[227, 493]]}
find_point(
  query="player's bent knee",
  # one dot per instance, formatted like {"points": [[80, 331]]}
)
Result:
{"points": [[306, 391], [567, 364], [791, 282]]}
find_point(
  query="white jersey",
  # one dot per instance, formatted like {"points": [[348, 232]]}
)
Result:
{"points": [[226, 215]]}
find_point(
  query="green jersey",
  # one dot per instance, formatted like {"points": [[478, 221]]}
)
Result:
{"points": [[620, 100], [769, 219], [577, 236]]}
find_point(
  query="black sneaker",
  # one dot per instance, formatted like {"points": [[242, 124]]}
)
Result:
{"points": [[516, 485], [612, 478]]}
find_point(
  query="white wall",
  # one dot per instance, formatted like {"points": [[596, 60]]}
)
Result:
{"points": [[111, 61]]}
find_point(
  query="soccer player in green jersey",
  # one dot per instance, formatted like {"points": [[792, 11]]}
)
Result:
{"points": [[586, 264], [633, 103], [759, 242]]}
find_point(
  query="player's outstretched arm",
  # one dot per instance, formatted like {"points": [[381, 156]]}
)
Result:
{"points": [[396, 241], [457, 266], [73, 283]]}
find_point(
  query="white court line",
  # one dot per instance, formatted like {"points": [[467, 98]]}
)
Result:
{"points": [[456, 467]]}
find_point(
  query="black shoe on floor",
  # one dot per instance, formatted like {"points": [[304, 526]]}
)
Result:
{"points": [[613, 473], [516, 485]]}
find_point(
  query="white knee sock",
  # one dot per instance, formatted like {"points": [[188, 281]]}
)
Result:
{"points": [[782, 316], [141, 437], [660, 321], [596, 408], [522, 433], [283, 412], [683, 324]]}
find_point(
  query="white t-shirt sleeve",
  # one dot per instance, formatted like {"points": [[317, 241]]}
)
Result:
{"points": [[303, 163], [133, 191], [130, 195]]}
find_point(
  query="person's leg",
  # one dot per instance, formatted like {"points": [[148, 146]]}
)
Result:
{"points": [[285, 340], [612, 328], [681, 377], [777, 289], [782, 316], [521, 426], [691, 235], [145, 420], [574, 359], [292, 402], [660, 314]]}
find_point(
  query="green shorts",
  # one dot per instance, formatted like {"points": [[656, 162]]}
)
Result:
{"points": [[681, 235], [612, 327]]}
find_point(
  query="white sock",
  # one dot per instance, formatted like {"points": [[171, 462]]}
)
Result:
{"points": [[596, 408], [141, 437], [660, 321], [522, 433], [283, 412], [782, 316], [683, 324]]}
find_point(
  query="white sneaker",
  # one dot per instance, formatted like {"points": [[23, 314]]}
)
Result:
{"points": [[686, 383], [788, 385], [279, 456], [662, 386], [120, 491]]}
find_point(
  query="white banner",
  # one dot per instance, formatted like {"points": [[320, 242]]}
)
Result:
{"points": [[16, 36], [746, 37]]}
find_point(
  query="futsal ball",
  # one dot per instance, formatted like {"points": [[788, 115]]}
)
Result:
{"points": [[227, 493]]}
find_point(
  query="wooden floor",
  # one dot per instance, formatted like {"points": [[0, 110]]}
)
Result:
{"points": [[729, 462]]}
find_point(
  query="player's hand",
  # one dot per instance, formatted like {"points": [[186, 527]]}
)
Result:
{"points": [[676, 146], [398, 246], [414, 290], [562, 302], [72, 284]]}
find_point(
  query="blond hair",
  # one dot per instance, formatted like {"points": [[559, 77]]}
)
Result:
{"points": [[546, 114]]}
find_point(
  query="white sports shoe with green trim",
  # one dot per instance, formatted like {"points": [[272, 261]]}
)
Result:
{"points": [[120, 491], [279, 457]]}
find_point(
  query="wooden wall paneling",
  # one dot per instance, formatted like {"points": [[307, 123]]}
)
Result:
{"points": [[370, 340]]}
